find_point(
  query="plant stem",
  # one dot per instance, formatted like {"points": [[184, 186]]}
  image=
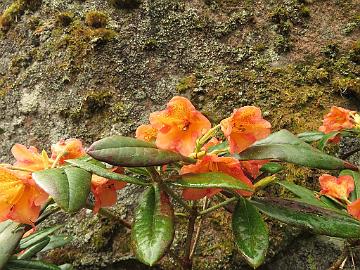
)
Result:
{"points": [[10, 167], [176, 197], [215, 207], [189, 236], [56, 161], [107, 213], [264, 182], [198, 230]]}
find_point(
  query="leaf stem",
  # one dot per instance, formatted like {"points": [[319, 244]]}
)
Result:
{"points": [[198, 230], [189, 236], [176, 197], [215, 207], [264, 182], [10, 167]]}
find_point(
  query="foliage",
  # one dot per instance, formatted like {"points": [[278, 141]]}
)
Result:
{"points": [[178, 157]]}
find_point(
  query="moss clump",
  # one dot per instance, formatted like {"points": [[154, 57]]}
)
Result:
{"points": [[318, 75], [16, 9], [347, 84], [305, 11], [186, 83], [96, 19], [97, 101], [64, 19], [353, 25], [151, 44], [126, 4]]}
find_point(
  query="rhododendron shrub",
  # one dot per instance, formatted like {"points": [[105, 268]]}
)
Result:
{"points": [[186, 163]]}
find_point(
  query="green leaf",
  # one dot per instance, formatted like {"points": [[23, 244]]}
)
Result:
{"points": [[130, 152], [311, 136], [33, 250], [285, 146], [316, 219], [356, 176], [324, 141], [68, 186], [153, 229], [30, 265], [10, 235], [251, 233], [271, 167], [57, 241], [90, 167], [37, 237], [211, 180], [66, 267]]}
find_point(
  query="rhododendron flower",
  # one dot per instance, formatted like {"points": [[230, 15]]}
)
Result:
{"points": [[29, 158], [69, 149], [354, 209], [336, 187], [244, 127], [146, 133], [337, 119], [179, 126], [19, 200], [104, 190], [214, 141], [213, 163], [252, 167]]}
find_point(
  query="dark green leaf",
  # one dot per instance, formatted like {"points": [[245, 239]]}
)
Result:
{"points": [[57, 241], [10, 235], [271, 167], [224, 146], [104, 172], [251, 233], [33, 250], [153, 228], [356, 176], [68, 186], [30, 265], [311, 136], [285, 146], [130, 152], [211, 180], [316, 219], [37, 237], [324, 141]]}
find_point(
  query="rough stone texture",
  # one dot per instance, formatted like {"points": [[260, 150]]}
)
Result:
{"points": [[61, 78]]}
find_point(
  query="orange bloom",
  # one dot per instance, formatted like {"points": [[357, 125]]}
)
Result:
{"points": [[354, 209], [213, 163], [19, 200], [71, 148], [29, 158], [146, 133], [337, 119], [336, 187], [179, 126], [214, 141], [252, 167], [104, 191], [244, 127]]}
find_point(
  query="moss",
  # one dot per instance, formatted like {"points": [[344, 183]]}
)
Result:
{"points": [[151, 44], [354, 54], [346, 84], [64, 19], [353, 25], [126, 4], [282, 44], [319, 75], [97, 101], [16, 9], [331, 51], [96, 19], [305, 11], [186, 83]]}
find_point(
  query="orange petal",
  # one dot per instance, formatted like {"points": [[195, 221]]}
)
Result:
{"points": [[339, 188], [354, 209], [146, 133], [70, 148], [337, 119], [27, 158]]}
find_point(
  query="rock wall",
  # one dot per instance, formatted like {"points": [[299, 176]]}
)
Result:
{"points": [[91, 68]]}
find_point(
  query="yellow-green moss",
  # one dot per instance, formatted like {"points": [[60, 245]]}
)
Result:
{"points": [[96, 19], [64, 19], [186, 83]]}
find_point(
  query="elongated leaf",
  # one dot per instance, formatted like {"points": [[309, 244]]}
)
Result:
{"points": [[356, 176], [66, 267], [37, 237], [68, 186], [153, 228], [271, 167], [10, 235], [57, 241], [311, 136], [36, 248], [316, 219], [285, 146], [251, 233], [90, 167], [211, 180], [30, 265], [130, 152], [326, 138]]}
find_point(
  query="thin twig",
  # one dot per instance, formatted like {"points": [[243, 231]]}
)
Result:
{"points": [[338, 264], [176, 197], [198, 230], [189, 236], [215, 207]]}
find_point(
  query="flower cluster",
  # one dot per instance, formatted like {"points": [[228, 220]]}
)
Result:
{"points": [[21, 198], [183, 129]]}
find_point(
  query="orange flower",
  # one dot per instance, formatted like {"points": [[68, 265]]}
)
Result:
{"points": [[213, 163], [19, 200], [354, 209], [29, 158], [244, 127], [336, 187], [179, 126], [252, 167], [104, 191], [337, 119], [146, 133], [70, 148]]}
